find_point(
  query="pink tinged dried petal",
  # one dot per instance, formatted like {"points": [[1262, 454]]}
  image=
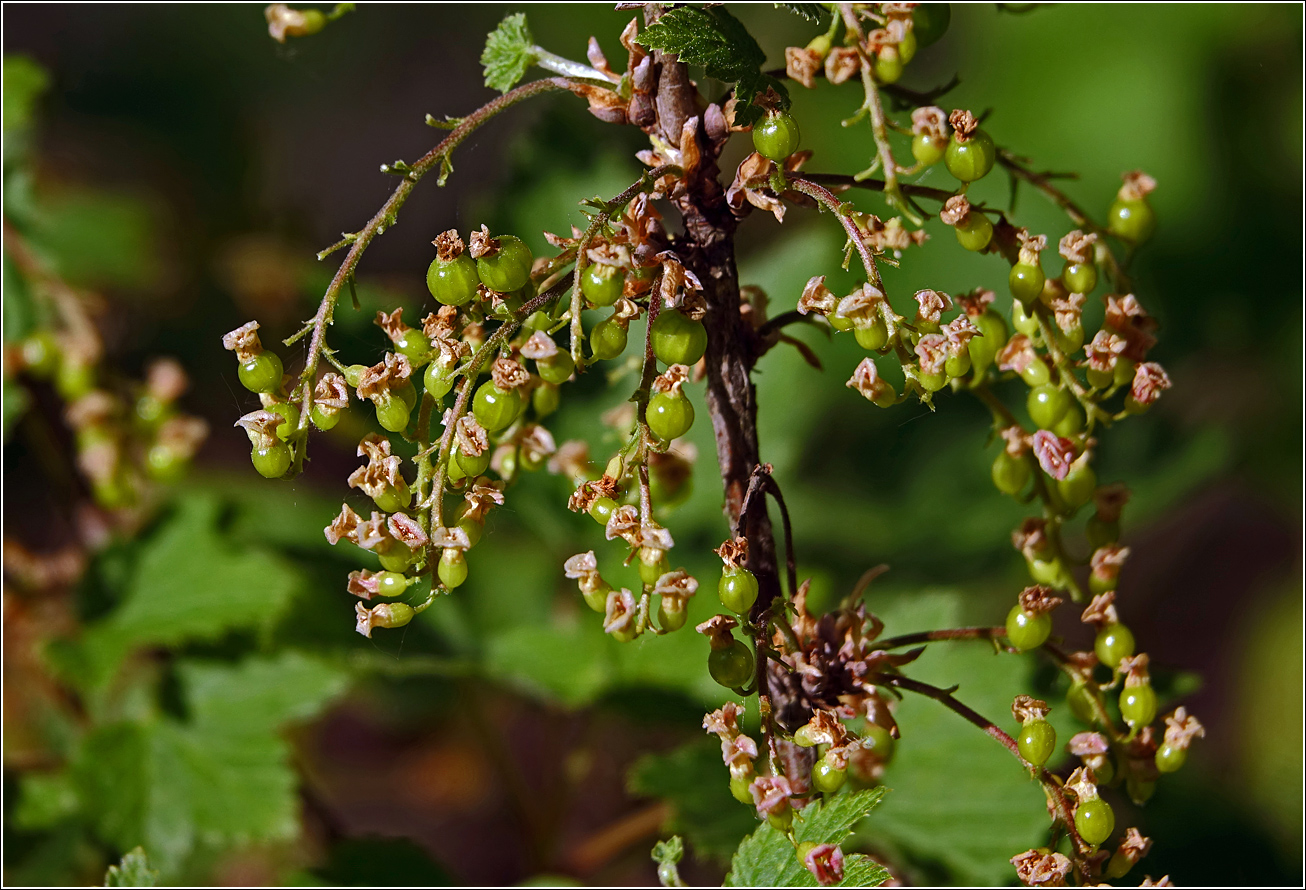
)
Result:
{"points": [[343, 526], [1031, 538], [1150, 380], [1101, 612], [802, 65], [452, 537], [580, 565], [1016, 440], [955, 210], [929, 120], [364, 583], [960, 331], [738, 754], [1017, 354], [1135, 669], [623, 523], [867, 381], [976, 302], [393, 324], [483, 496], [671, 380], [1108, 560], [165, 379], [770, 794], [841, 64], [1163, 881], [861, 303], [1088, 744], [1054, 454], [932, 304], [365, 620], [1077, 247], [372, 532], [932, 350], [243, 341], [816, 297], [408, 531], [509, 373], [619, 614], [1036, 869], [1137, 185], [261, 427], [539, 346], [733, 552], [1068, 311], [825, 862], [724, 721], [1181, 728], [1119, 311], [655, 537], [472, 438], [1133, 846], [677, 584], [1104, 351]]}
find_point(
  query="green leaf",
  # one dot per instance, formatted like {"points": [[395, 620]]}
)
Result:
{"points": [[190, 584], [767, 858], [959, 798], [133, 871], [670, 851], [100, 239], [24, 82], [223, 776], [509, 51], [44, 800], [696, 784], [813, 12]]}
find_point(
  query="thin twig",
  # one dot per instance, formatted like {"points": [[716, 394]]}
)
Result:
{"points": [[932, 636]]}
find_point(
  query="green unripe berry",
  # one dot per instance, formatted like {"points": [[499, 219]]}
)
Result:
{"points": [[880, 741], [496, 408], [930, 22], [984, 348], [607, 339], [1036, 741], [393, 413], [1047, 404], [262, 373], [164, 464], [601, 510], [556, 369], [392, 584], [473, 528], [407, 391], [1051, 572], [781, 821], [1036, 373], [438, 380], [927, 150], [1071, 425], [1077, 488], [509, 268], [731, 666], [1140, 790], [957, 365], [1138, 705], [678, 339], [1079, 278], [324, 421], [873, 336], [1132, 221], [672, 619], [737, 589], [453, 282], [1098, 584], [1080, 702], [669, 415], [776, 136], [545, 399], [452, 570], [1010, 474], [907, 46], [1026, 282], [839, 322], [597, 599], [739, 786], [650, 572], [1027, 630], [1026, 323], [394, 499], [602, 285], [1169, 758], [273, 462], [972, 159], [1094, 820], [887, 65], [289, 411], [826, 778], [974, 232], [932, 382], [471, 465], [1114, 642], [398, 558]]}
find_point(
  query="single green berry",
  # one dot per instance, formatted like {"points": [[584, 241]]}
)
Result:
{"points": [[928, 150], [1081, 704], [880, 741], [471, 465], [907, 46], [408, 392], [872, 337], [452, 570], [672, 619], [932, 382], [678, 339], [1077, 488], [1170, 759], [324, 421], [473, 528], [887, 65], [545, 399], [1071, 425], [930, 22], [984, 348], [1079, 278], [974, 232], [957, 365], [776, 136], [262, 373], [608, 339], [670, 415], [731, 666], [557, 368], [1051, 572], [737, 589], [392, 584], [273, 462], [650, 572], [839, 322], [1138, 705], [1026, 282], [781, 821], [1114, 642], [395, 498], [602, 285], [1069, 341], [972, 159], [1036, 373], [1025, 322], [393, 413], [453, 282], [507, 269], [1036, 741], [496, 408], [438, 380], [597, 597], [1140, 790], [601, 510], [1027, 630], [1131, 221], [1047, 404], [739, 789], [826, 778], [398, 559], [289, 411], [1094, 820], [1010, 474], [354, 374]]}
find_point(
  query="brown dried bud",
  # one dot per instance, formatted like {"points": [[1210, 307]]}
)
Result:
{"points": [[539, 346], [1134, 668], [802, 65], [1138, 185], [620, 613], [381, 380], [1150, 380], [1101, 612], [1076, 247], [1068, 310], [1054, 454], [1017, 355], [816, 297], [1031, 538], [588, 492], [1038, 869], [841, 64], [955, 210], [770, 795], [671, 380], [482, 244], [449, 245], [1038, 599], [1028, 709], [509, 373], [1107, 561], [825, 862], [733, 552], [932, 350], [930, 120], [1104, 351], [718, 629], [244, 341], [963, 124]]}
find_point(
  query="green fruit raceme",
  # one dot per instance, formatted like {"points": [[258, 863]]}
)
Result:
{"points": [[1094, 820], [602, 284], [678, 339], [1036, 741], [509, 268], [670, 415], [776, 136], [972, 159], [453, 282], [495, 408], [262, 373], [1026, 630], [273, 462], [732, 666], [737, 589]]}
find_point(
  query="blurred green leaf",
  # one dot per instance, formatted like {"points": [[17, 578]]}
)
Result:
{"points": [[44, 800], [509, 51], [133, 871], [572, 665], [190, 583], [24, 82], [695, 782], [16, 401], [99, 239], [223, 776], [767, 858], [958, 797]]}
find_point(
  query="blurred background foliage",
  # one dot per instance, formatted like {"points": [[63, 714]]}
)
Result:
{"points": [[201, 691]]}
